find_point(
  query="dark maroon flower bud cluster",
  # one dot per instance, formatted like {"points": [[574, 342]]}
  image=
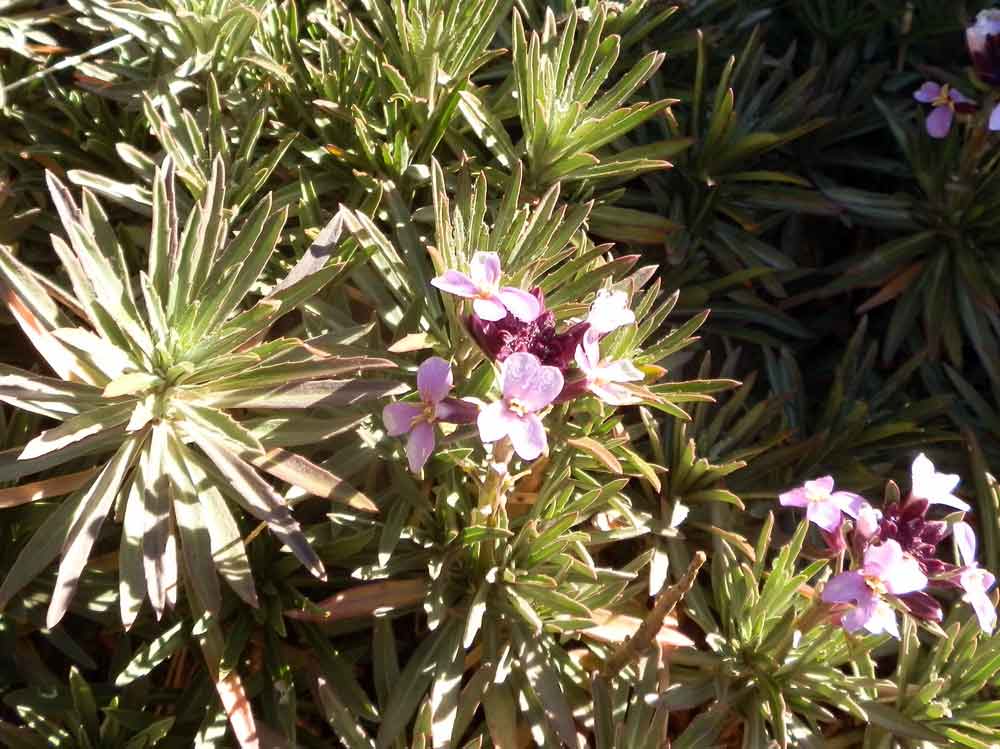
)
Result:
{"points": [[907, 523], [501, 338]]}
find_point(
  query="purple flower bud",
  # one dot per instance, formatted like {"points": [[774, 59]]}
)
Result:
{"points": [[500, 338], [923, 606], [983, 40]]}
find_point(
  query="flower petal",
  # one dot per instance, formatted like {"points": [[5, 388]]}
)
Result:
{"points": [[434, 379], [398, 417], [882, 559], [493, 421], [936, 488], [822, 485], [456, 283], [849, 503], [882, 618], [986, 613], [868, 521], [484, 268], [587, 355], [614, 394], [928, 92], [525, 379], [860, 615], [939, 122], [958, 97], [622, 370], [825, 514], [846, 587], [521, 304], [965, 538], [490, 308], [794, 498], [995, 118], [905, 577], [420, 445], [527, 435], [610, 311]]}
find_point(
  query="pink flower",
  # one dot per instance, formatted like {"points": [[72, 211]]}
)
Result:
{"points": [[823, 505], [886, 571], [604, 379], [528, 387], [434, 382], [936, 488], [973, 579], [945, 101], [482, 285], [609, 311]]}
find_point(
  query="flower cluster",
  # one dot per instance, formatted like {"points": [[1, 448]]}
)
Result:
{"points": [[895, 552], [514, 328], [983, 41]]}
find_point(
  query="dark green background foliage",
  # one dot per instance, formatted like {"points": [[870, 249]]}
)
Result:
{"points": [[246, 201]]}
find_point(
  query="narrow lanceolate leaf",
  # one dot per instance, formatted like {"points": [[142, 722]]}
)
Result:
{"points": [[154, 653], [290, 372], [47, 396], [228, 551], [222, 426], [260, 500], [131, 575], [237, 706], [196, 545], [159, 546], [446, 689], [85, 528], [43, 547], [77, 428], [305, 395], [46, 488], [365, 601], [37, 315], [306, 475]]}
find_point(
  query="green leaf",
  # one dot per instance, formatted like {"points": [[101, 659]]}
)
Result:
{"points": [[154, 653]]}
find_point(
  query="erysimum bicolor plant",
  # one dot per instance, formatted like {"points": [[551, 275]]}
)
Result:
{"points": [[896, 554], [151, 375]]}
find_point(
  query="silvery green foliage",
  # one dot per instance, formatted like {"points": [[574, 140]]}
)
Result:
{"points": [[256, 272]]}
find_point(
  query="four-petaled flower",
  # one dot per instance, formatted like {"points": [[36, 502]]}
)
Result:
{"points": [[945, 101], [886, 571], [973, 579], [434, 382], [490, 300], [936, 488], [605, 379], [823, 505], [609, 311], [528, 387]]}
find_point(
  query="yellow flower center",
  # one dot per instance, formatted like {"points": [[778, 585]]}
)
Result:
{"points": [[428, 414], [814, 495], [517, 407], [943, 98], [875, 585]]}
